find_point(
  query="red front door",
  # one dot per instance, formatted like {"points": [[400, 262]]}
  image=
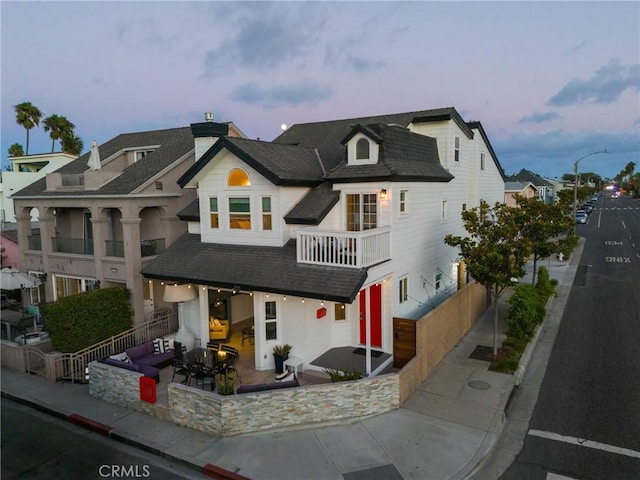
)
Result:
{"points": [[375, 312]]}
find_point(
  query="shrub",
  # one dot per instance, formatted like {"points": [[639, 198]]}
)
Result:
{"points": [[525, 312], [79, 321], [545, 286], [343, 375], [568, 245], [226, 386]]}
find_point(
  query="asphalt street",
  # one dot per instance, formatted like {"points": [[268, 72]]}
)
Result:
{"points": [[586, 423]]}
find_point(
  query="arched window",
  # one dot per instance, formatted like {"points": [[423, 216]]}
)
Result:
{"points": [[238, 178], [362, 149]]}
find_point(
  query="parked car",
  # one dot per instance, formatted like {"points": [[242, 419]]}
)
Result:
{"points": [[581, 216], [588, 208]]}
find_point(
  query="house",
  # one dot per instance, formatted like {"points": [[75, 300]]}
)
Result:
{"points": [[522, 189], [320, 238], [25, 170], [546, 189], [100, 227]]}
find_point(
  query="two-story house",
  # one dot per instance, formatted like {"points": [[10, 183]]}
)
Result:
{"points": [[546, 189], [100, 226], [324, 235]]}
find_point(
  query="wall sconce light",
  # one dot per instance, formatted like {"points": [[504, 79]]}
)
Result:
{"points": [[383, 193], [235, 290]]}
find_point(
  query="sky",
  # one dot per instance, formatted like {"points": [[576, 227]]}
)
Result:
{"points": [[551, 82]]}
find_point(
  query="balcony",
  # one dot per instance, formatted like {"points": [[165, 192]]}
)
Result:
{"points": [[148, 248], [344, 249], [79, 246]]}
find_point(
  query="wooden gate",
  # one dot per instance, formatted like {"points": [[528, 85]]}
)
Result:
{"points": [[404, 341]]}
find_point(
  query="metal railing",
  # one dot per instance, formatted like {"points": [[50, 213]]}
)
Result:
{"points": [[148, 248], [80, 246], [71, 366], [344, 249]]}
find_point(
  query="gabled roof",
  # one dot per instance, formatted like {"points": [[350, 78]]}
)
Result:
{"points": [[173, 143], [518, 186], [250, 267], [314, 206], [326, 136], [528, 176], [280, 164], [403, 155]]}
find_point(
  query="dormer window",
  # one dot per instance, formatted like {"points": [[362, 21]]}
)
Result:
{"points": [[238, 178], [142, 153], [362, 149]]}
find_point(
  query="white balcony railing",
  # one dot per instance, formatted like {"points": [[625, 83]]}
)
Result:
{"points": [[344, 249]]}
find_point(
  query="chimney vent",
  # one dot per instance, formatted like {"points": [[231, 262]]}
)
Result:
{"points": [[208, 117]]}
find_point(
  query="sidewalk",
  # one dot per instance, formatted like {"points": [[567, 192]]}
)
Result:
{"points": [[445, 430]]}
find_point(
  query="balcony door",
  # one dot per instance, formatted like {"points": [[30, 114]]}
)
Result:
{"points": [[88, 233], [362, 211]]}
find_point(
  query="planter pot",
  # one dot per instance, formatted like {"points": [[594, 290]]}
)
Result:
{"points": [[279, 361]]}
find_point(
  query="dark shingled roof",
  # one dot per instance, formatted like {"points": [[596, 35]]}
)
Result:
{"points": [[403, 156], [326, 136], [528, 176], [264, 269], [314, 206], [191, 212], [174, 143], [280, 164]]}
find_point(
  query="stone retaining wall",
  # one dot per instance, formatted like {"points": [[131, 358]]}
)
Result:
{"points": [[228, 415]]}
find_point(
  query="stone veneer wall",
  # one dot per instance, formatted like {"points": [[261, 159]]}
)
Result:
{"points": [[309, 405], [229, 415], [115, 385]]}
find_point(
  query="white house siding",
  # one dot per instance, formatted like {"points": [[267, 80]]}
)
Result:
{"points": [[441, 131], [214, 183]]}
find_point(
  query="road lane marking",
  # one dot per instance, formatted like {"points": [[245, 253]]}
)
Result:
{"points": [[625, 227], [585, 443]]}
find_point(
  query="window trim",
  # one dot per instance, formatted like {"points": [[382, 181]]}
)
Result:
{"points": [[403, 202], [456, 149], [443, 210], [266, 213], [403, 289], [245, 215], [275, 320], [344, 310], [482, 161], [361, 142], [215, 212]]}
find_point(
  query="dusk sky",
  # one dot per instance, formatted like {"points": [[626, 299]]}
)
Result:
{"points": [[549, 81]]}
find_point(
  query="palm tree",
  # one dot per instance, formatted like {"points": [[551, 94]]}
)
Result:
{"points": [[59, 127], [71, 143], [27, 116], [16, 150]]}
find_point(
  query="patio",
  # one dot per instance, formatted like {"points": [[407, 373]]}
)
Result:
{"points": [[245, 366]]}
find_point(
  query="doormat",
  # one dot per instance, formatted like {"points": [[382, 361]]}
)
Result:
{"points": [[482, 352], [363, 351]]}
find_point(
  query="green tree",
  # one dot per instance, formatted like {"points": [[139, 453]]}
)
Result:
{"points": [[71, 143], [16, 150], [494, 250], [58, 126], [27, 116], [542, 224]]}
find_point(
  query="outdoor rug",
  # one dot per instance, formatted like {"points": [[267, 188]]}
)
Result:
{"points": [[363, 351]]}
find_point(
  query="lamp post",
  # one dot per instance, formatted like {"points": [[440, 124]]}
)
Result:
{"points": [[575, 183]]}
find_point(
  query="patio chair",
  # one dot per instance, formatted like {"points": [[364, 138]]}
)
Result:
{"points": [[231, 366], [180, 367]]}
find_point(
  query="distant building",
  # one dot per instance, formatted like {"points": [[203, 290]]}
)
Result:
{"points": [[25, 170], [523, 189], [546, 190]]}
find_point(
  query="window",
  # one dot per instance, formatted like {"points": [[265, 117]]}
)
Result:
{"points": [[240, 213], [403, 201], [456, 150], [238, 178], [362, 149], [271, 320], [403, 288], [339, 311], [362, 211], [482, 161], [444, 210], [464, 207], [266, 213], [213, 212], [141, 154], [438, 277]]}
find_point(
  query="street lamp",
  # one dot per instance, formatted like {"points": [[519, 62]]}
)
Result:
{"points": [[575, 184]]}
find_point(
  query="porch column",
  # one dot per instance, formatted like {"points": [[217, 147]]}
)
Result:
{"points": [[99, 243], [133, 266], [46, 221]]}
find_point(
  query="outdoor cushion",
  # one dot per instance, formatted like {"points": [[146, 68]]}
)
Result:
{"points": [[139, 351]]}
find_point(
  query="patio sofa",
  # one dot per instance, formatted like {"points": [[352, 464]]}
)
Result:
{"points": [[143, 359], [261, 387]]}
